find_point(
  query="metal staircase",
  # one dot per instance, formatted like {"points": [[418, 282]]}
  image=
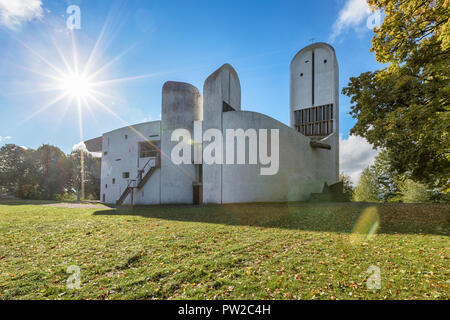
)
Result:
{"points": [[141, 180], [125, 193]]}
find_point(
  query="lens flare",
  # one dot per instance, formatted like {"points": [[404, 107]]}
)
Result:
{"points": [[366, 226]]}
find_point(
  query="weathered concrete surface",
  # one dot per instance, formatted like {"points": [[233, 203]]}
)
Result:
{"points": [[326, 88], [181, 106], [94, 145], [221, 86], [302, 169], [121, 154]]}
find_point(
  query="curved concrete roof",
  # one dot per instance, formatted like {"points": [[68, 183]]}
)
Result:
{"points": [[178, 86], [315, 45], [219, 70]]}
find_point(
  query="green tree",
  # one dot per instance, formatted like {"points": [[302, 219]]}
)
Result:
{"points": [[386, 176], [412, 191], [11, 156], [367, 189], [92, 172], [53, 168], [405, 106], [347, 184], [28, 180], [47, 172]]}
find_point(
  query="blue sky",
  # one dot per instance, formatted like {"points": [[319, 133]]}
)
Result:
{"points": [[166, 40]]}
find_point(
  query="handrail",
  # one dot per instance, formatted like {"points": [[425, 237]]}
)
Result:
{"points": [[148, 161], [139, 177], [130, 181]]}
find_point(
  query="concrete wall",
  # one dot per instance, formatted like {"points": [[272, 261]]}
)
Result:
{"points": [[221, 86], [122, 155], [326, 88], [181, 106], [302, 169]]}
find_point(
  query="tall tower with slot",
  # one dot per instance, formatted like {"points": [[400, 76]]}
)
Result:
{"points": [[314, 95]]}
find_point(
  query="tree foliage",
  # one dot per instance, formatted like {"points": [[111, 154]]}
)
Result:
{"points": [[92, 173], [47, 172], [405, 107], [412, 191], [386, 176], [347, 184], [381, 182], [367, 189]]}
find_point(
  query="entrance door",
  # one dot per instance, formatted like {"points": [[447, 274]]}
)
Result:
{"points": [[198, 194]]}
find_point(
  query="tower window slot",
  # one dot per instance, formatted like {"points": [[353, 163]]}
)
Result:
{"points": [[315, 121], [226, 107]]}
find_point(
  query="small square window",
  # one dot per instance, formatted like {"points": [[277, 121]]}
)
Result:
{"points": [[106, 186], [105, 153], [125, 175], [114, 180], [126, 137]]}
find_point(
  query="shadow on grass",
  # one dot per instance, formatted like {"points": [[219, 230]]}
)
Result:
{"points": [[330, 217], [21, 202]]}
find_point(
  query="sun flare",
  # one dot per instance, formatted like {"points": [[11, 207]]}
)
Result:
{"points": [[76, 86]]}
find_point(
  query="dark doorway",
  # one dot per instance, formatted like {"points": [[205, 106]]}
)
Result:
{"points": [[198, 194]]}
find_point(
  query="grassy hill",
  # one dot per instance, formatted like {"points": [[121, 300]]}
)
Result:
{"points": [[258, 251]]}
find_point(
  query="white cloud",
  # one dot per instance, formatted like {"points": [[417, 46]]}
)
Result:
{"points": [[352, 15], [14, 12], [5, 138], [355, 154], [82, 146]]}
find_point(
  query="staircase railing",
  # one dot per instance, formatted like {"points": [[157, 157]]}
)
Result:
{"points": [[139, 178]]}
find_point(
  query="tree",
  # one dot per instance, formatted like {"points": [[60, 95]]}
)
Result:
{"points": [[92, 172], [53, 168], [11, 156], [367, 189], [386, 176], [412, 191], [405, 106], [27, 182], [347, 184]]}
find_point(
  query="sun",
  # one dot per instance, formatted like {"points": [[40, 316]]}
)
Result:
{"points": [[76, 86]]}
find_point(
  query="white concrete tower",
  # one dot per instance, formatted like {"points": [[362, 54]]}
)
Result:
{"points": [[181, 106], [314, 96], [221, 93]]}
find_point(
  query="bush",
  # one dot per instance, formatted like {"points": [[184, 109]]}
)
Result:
{"points": [[413, 192], [29, 191], [65, 197]]}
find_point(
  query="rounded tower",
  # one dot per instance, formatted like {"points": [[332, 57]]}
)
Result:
{"points": [[314, 95]]}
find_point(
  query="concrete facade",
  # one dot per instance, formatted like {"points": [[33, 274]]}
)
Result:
{"points": [[181, 106], [120, 155], [314, 81], [222, 88], [303, 167]]}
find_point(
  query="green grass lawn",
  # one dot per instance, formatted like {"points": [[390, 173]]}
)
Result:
{"points": [[274, 251]]}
